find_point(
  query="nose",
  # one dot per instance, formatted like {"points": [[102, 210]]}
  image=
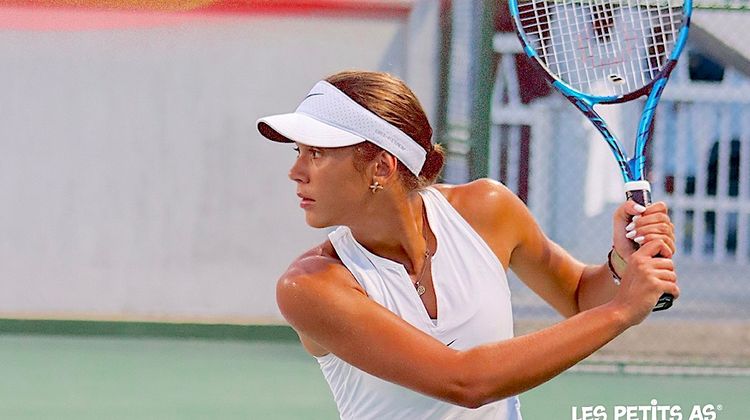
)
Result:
{"points": [[298, 172]]}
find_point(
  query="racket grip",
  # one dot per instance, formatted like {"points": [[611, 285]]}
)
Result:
{"points": [[640, 192]]}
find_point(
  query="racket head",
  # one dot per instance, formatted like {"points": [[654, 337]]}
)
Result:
{"points": [[603, 51]]}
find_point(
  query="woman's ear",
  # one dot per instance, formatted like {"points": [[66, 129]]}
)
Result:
{"points": [[385, 167]]}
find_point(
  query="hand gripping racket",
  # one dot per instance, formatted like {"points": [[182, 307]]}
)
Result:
{"points": [[608, 52]]}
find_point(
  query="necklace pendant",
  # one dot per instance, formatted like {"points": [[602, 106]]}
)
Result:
{"points": [[420, 290]]}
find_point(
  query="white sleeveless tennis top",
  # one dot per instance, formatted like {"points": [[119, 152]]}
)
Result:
{"points": [[473, 302]]}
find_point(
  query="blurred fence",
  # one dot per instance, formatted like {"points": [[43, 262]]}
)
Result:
{"points": [[699, 163]]}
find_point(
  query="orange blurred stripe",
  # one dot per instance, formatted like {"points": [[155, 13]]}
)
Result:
{"points": [[146, 5]]}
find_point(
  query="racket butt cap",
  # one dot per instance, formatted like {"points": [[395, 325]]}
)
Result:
{"points": [[637, 186]]}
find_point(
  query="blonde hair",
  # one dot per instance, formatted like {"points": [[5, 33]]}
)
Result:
{"points": [[389, 98]]}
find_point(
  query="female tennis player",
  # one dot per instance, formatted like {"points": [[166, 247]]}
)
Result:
{"points": [[406, 306]]}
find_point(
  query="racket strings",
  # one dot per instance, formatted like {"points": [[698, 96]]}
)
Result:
{"points": [[602, 47]]}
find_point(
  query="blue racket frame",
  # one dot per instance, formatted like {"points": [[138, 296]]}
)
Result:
{"points": [[633, 169]]}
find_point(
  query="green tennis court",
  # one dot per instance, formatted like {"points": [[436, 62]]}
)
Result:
{"points": [[70, 377]]}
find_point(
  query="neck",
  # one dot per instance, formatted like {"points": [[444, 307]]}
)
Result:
{"points": [[392, 227]]}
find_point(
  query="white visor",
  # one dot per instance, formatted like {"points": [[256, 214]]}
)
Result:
{"points": [[327, 117]]}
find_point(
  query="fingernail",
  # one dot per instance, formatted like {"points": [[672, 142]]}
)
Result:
{"points": [[630, 227], [636, 217], [630, 235], [639, 208], [639, 239]]}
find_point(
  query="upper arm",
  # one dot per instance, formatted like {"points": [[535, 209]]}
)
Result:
{"points": [[511, 231], [321, 302]]}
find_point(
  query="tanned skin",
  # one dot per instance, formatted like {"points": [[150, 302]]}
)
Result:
{"points": [[331, 312]]}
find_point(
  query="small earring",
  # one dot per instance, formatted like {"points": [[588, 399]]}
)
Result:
{"points": [[375, 187]]}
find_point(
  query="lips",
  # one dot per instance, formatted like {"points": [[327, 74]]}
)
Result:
{"points": [[304, 200]]}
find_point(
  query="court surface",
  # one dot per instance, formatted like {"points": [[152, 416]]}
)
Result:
{"points": [[64, 377]]}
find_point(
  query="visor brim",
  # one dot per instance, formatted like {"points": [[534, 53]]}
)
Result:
{"points": [[300, 128]]}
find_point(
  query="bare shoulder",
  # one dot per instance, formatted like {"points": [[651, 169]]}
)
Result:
{"points": [[317, 267], [481, 201], [314, 283], [312, 278], [494, 212], [312, 261]]}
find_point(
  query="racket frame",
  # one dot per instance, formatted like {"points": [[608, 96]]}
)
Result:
{"points": [[632, 170]]}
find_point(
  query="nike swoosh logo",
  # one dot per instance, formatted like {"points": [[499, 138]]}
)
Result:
{"points": [[449, 344], [312, 94]]}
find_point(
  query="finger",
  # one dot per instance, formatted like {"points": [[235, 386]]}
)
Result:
{"points": [[663, 229], [659, 231], [668, 246], [650, 233], [624, 213], [644, 227], [659, 221], [642, 238], [666, 275], [672, 244], [672, 289], [649, 249], [662, 264], [631, 208], [669, 249], [652, 219], [657, 207]]}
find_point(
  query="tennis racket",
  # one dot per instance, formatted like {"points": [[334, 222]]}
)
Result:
{"points": [[608, 52]]}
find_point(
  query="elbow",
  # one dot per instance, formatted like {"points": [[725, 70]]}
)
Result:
{"points": [[475, 381], [466, 387], [472, 402], [468, 396]]}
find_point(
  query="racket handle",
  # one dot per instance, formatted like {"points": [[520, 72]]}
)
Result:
{"points": [[640, 192]]}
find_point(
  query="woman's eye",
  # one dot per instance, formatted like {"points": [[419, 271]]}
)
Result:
{"points": [[315, 153], [296, 149]]}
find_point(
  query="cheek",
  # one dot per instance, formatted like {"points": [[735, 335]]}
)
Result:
{"points": [[340, 183], [336, 204], [347, 193], [344, 195], [345, 180]]}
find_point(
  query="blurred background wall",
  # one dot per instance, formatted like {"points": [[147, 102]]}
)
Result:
{"points": [[134, 184]]}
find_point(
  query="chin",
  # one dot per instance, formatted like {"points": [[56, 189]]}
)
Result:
{"points": [[317, 223]]}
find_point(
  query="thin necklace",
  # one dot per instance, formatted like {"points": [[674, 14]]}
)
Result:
{"points": [[420, 288]]}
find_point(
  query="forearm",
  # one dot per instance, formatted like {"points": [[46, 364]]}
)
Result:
{"points": [[500, 370], [595, 287]]}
